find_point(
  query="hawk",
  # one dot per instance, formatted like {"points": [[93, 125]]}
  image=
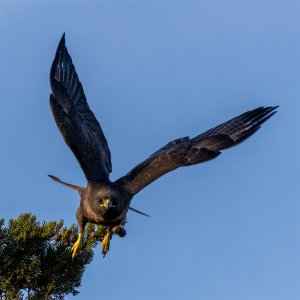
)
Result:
{"points": [[104, 202]]}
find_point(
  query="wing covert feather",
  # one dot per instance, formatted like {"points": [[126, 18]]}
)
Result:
{"points": [[175, 154]]}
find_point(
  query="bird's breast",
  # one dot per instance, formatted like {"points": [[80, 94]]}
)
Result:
{"points": [[107, 218]]}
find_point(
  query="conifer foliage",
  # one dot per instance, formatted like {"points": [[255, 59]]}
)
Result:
{"points": [[35, 258]]}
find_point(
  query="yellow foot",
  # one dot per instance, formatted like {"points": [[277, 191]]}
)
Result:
{"points": [[76, 245], [106, 242]]}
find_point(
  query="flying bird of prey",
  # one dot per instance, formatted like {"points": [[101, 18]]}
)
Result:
{"points": [[104, 202]]}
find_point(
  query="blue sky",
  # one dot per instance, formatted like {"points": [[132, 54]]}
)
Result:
{"points": [[154, 71]]}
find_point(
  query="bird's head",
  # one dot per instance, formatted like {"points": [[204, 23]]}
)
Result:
{"points": [[106, 200]]}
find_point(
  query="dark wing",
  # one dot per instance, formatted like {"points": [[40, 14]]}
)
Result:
{"points": [[75, 120], [186, 151]]}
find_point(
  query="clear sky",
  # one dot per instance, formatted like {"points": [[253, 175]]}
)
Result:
{"points": [[154, 71]]}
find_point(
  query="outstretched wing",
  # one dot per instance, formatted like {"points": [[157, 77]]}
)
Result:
{"points": [[75, 120], [186, 151]]}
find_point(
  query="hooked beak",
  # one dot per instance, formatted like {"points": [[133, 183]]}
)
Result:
{"points": [[107, 203]]}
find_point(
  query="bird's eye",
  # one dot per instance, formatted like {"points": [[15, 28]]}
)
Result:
{"points": [[114, 202]]}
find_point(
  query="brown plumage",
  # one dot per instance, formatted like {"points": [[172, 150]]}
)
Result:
{"points": [[102, 201]]}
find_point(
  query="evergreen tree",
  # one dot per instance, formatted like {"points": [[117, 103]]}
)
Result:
{"points": [[36, 261]]}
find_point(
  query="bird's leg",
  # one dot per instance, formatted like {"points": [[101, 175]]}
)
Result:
{"points": [[78, 243], [106, 241]]}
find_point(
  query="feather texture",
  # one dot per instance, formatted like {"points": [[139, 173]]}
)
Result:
{"points": [[186, 151], [76, 122]]}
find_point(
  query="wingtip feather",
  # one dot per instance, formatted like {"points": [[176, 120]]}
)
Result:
{"points": [[61, 42], [53, 177]]}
